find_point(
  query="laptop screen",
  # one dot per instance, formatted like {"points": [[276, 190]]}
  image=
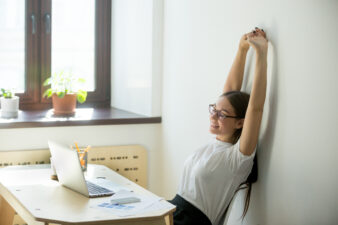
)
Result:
{"points": [[68, 168]]}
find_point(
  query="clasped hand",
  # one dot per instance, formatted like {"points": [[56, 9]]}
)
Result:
{"points": [[256, 39]]}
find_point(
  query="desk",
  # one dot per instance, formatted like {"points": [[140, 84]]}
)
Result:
{"points": [[40, 200]]}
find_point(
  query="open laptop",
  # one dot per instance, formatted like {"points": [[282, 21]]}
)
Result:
{"points": [[69, 171]]}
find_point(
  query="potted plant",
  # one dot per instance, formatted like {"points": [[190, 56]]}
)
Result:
{"points": [[64, 91], [9, 104]]}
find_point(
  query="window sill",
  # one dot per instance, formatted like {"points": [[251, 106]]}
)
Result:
{"points": [[82, 117]]}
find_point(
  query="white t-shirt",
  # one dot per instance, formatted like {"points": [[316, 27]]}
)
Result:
{"points": [[212, 175]]}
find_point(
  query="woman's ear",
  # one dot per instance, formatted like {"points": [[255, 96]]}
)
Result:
{"points": [[239, 123]]}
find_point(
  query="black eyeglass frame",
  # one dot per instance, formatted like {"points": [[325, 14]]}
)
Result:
{"points": [[219, 114]]}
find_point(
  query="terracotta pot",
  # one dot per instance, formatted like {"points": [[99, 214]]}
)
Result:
{"points": [[64, 106]]}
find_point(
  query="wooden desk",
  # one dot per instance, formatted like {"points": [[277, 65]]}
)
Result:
{"points": [[40, 200]]}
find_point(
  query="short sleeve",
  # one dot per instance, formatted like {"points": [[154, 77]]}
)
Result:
{"points": [[241, 163]]}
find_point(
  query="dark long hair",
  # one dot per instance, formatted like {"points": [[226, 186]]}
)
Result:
{"points": [[239, 101]]}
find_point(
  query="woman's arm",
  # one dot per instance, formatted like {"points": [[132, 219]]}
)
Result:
{"points": [[252, 122], [235, 77]]}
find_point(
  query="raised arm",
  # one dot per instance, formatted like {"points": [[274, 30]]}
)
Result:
{"points": [[235, 77], [252, 122]]}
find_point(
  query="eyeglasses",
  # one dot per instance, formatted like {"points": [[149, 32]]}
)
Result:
{"points": [[219, 113]]}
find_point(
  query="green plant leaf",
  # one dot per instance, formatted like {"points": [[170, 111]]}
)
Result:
{"points": [[6, 93], [81, 96], [81, 80], [9, 94], [48, 93], [61, 94], [63, 83], [47, 82]]}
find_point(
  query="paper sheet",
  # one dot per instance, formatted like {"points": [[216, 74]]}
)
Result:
{"points": [[147, 204]]}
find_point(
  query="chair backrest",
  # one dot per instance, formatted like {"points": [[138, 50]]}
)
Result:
{"points": [[228, 212], [128, 160], [231, 204]]}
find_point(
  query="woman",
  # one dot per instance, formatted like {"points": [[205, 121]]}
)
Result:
{"points": [[214, 173]]}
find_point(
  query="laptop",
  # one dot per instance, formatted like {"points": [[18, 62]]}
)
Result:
{"points": [[69, 171]]}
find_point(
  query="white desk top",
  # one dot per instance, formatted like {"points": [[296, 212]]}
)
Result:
{"points": [[46, 200]]}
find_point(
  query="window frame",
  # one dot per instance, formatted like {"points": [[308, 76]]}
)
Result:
{"points": [[38, 56]]}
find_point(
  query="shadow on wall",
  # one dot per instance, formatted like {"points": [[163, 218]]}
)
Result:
{"points": [[258, 203], [267, 133]]}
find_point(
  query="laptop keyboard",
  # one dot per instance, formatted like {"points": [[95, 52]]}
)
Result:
{"points": [[96, 190]]}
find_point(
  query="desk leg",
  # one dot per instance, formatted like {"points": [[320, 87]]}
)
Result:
{"points": [[6, 212], [171, 219]]}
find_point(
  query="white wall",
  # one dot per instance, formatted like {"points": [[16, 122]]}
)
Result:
{"points": [[137, 55], [298, 142]]}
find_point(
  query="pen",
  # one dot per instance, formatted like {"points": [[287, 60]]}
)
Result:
{"points": [[77, 147], [82, 162], [87, 149]]}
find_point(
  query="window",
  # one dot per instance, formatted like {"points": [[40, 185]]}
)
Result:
{"points": [[40, 37]]}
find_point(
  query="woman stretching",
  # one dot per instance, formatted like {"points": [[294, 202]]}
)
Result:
{"points": [[214, 173]]}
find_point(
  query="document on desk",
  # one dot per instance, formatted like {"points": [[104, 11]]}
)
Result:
{"points": [[146, 204]]}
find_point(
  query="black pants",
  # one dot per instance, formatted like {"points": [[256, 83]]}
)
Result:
{"points": [[187, 214]]}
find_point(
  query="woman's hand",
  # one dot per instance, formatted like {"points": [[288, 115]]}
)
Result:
{"points": [[243, 43], [257, 39]]}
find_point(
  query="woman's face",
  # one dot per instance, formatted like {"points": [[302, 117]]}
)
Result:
{"points": [[224, 127]]}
